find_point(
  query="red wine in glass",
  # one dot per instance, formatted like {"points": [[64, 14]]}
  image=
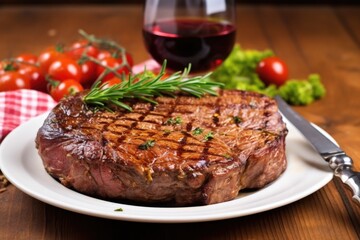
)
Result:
{"points": [[203, 43]]}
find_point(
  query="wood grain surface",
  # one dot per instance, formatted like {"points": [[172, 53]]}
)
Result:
{"points": [[320, 39]]}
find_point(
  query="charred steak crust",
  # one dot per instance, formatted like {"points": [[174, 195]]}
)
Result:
{"points": [[185, 150]]}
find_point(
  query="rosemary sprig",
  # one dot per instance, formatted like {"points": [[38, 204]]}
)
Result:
{"points": [[144, 87]]}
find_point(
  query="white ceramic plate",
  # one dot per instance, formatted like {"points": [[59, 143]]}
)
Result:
{"points": [[20, 163]]}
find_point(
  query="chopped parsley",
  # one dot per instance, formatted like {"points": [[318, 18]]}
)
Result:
{"points": [[198, 131], [209, 136], [146, 145], [118, 210], [173, 121], [237, 119]]}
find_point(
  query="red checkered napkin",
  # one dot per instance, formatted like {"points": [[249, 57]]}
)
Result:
{"points": [[19, 106]]}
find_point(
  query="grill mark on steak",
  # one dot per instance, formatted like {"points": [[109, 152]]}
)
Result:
{"points": [[171, 111], [183, 142], [180, 167], [217, 109], [133, 124]]}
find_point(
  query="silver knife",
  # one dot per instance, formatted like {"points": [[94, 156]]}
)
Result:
{"points": [[338, 161]]}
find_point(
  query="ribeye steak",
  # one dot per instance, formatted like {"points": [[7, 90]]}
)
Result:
{"points": [[183, 151]]}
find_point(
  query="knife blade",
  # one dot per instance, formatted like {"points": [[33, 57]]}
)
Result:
{"points": [[338, 161]]}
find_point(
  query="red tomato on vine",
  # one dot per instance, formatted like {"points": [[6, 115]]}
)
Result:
{"points": [[65, 68], [65, 88], [77, 49], [47, 57], [111, 82], [13, 80], [27, 58], [112, 63], [272, 70], [37, 78]]}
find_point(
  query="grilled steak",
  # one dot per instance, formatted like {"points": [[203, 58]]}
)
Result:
{"points": [[183, 151]]}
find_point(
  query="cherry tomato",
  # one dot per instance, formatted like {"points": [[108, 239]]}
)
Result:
{"points": [[89, 73], [37, 78], [111, 82], [65, 88], [47, 57], [27, 57], [129, 59], [272, 70], [8, 66], [111, 63], [2, 66], [65, 68], [12, 80], [105, 54], [79, 47]]}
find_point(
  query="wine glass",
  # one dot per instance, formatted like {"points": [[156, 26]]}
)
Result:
{"points": [[200, 32]]}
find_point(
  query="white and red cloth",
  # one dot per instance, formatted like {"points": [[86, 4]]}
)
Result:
{"points": [[19, 106]]}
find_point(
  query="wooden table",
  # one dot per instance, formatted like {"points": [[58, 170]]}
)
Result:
{"points": [[320, 39]]}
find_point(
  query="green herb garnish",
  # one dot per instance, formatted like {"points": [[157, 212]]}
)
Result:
{"points": [[237, 119], [146, 87], [209, 136], [173, 121], [167, 132], [146, 145], [119, 210], [9, 67], [198, 131]]}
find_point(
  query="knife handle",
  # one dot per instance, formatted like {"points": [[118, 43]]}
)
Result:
{"points": [[342, 167]]}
